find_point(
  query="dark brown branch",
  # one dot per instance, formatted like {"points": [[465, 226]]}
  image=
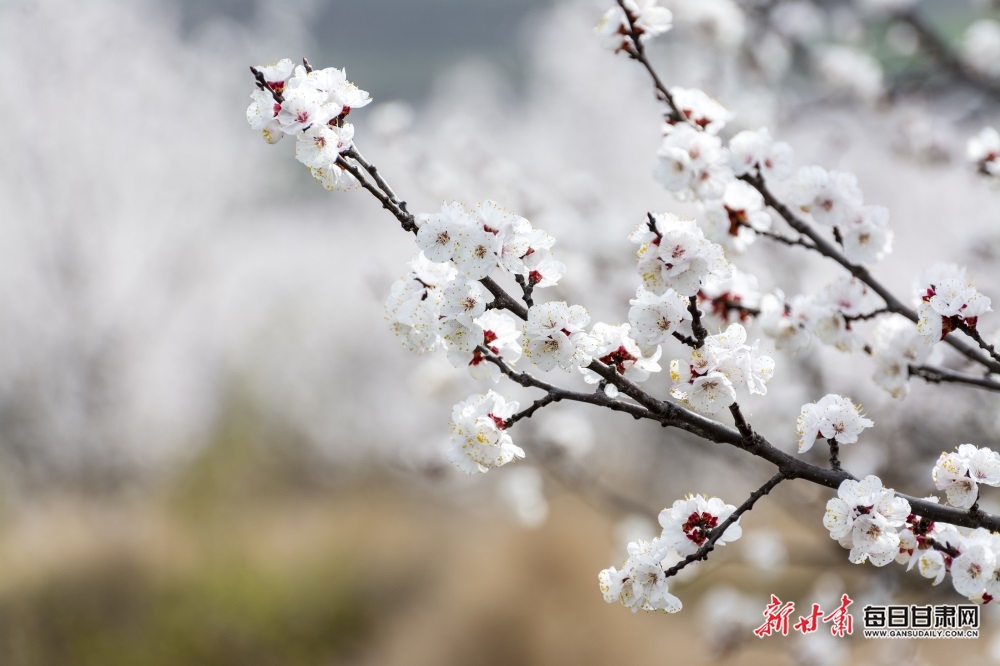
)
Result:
{"points": [[866, 316], [526, 289], [555, 394], [943, 375], [950, 551], [262, 84], [741, 422], [799, 242], [686, 339], [699, 330], [547, 399], [975, 335], [834, 454]]}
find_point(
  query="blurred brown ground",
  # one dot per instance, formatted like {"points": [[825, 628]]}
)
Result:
{"points": [[227, 565]]}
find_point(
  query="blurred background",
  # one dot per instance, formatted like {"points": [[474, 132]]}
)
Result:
{"points": [[214, 451]]}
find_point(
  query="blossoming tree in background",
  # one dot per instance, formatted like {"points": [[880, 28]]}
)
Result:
{"points": [[683, 355]]}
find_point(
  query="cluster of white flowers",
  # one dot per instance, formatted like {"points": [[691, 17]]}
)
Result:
{"points": [[311, 105], [897, 346], [879, 527], [614, 347], [732, 220], [415, 301], [707, 381], [915, 547], [556, 336], [750, 150], [947, 299], [866, 517], [641, 583], [972, 556], [959, 474], [693, 164], [478, 241], [827, 315], [983, 150], [832, 417], [479, 441], [975, 572], [654, 318], [786, 321], [833, 199], [734, 299], [648, 19], [674, 254]]}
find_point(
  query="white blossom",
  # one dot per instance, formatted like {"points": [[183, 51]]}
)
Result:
{"points": [[692, 163], [947, 298], [700, 109], [786, 322], [983, 150], [707, 381], [688, 523], [261, 116], [464, 302], [897, 345], [641, 583], [732, 221], [555, 336], [973, 568], [866, 237], [959, 474], [674, 254], [866, 517], [614, 347], [831, 197], [751, 150], [414, 304], [832, 417], [648, 17], [654, 318], [479, 441], [320, 145]]}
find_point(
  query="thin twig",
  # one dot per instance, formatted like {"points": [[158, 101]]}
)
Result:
{"points": [[794, 242], [867, 315], [526, 289], [975, 335], [547, 399], [943, 375]]}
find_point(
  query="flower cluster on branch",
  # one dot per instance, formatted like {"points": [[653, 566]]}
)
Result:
{"points": [[453, 300]]}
